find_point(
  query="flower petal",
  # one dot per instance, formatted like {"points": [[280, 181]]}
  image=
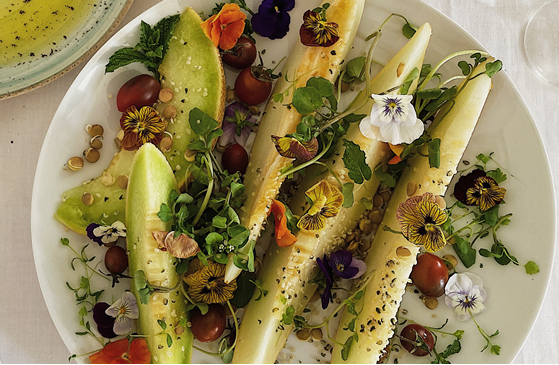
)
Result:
{"points": [[116, 348], [139, 352], [284, 237], [123, 325]]}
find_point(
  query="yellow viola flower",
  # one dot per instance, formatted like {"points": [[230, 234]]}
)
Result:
{"points": [[289, 147], [207, 284], [421, 218], [485, 193], [141, 127], [327, 200]]}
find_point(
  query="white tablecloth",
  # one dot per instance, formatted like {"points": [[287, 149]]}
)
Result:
{"points": [[27, 334]]}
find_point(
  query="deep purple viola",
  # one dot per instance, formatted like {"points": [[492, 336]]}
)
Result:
{"points": [[272, 20], [345, 266], [327, 293], [104, 322], [237, 124]]}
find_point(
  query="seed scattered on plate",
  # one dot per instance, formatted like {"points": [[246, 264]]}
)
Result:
{"points": [[75, 163]]}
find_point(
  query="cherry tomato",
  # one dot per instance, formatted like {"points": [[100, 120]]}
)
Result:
{"points": [[430, 275], [210, 326], [140, 91], [116, 260], [242, 55], [253, 85], [410, 332], [235, 159]]}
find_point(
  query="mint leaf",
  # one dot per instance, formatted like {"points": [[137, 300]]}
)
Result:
{"points": [[126, 56], [354, 161]]}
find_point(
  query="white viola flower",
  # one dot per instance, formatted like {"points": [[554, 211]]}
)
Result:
{"points": [[392, 119], [124, 310], [109, 234], [465, 294]]}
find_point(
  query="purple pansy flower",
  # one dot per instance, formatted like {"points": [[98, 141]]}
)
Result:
{"points": [[106, 234], [272, 20], [104, 322], [237, 124], [327, 294], [345, 265]]}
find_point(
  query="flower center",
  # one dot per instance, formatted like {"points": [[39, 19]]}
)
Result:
{"points": [[340, 267], [318, 205]]}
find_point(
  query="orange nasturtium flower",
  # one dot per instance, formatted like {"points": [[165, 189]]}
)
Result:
{"points": [[397, 149], [284, 237], [123, 352], [225, 28]]}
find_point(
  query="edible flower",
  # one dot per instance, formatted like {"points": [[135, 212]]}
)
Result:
{"points": [[465, 295], [420, 218], [226, 27], [392, 119], [181, 246], [397, 149], [284, 237], [317, 31], [476, 188], [346, 266], [104, 235], [327, 293], [124, 311], [272, 20], [207, 285], [104, 322], [290, 147], [141, 127], [123, 352], [326, 202], [237, 124]]}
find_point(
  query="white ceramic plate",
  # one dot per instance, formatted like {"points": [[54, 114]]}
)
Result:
{"points": [[506, 128], [39, 66]]}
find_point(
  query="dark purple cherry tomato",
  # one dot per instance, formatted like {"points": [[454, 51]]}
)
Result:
{"points": [[210, 326], [242, 55], [140, 91], [116, 260], [430, 275], [253, 85], [411, 343], [235, 159]]}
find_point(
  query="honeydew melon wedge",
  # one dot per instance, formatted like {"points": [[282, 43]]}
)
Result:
{"points": [[262, 176], [191, 63], [391, 257], [192, 69], [286, 271], [151, 182]]}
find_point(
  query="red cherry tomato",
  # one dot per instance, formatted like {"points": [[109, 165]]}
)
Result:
{"points": [[412, 344], [430, 275], [242, 55], [210, 326], [116, 260], [140, 91], [235, 159], [250, 86]]}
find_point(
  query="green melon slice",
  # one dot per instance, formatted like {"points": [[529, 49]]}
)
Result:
{"points": [[151, 182], [192, 69]]}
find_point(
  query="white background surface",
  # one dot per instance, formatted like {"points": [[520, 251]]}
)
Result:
{"points": [[27, 334]]}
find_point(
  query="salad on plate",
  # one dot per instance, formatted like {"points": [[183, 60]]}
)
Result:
{"points": [[249, 203]]}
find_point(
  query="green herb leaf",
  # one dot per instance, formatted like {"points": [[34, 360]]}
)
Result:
{"points": [[493, 67], [347, 348], [200, 122], [385, 177], [162, 324], [531, 268], [353, 70], [169, 340], [408, 30], [245, 289], [219, 222], [307, 100], [287, 317], [323, 86], [198, 145], [354, 118], [263, 292], [429, 94], [354, 161], [240, 238], [434, 153], [464, 250], [126, 56], [414, 74], [497, 175], [214, 238], [347, 192], [465, 67], [367, 203], [65, 241]]}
